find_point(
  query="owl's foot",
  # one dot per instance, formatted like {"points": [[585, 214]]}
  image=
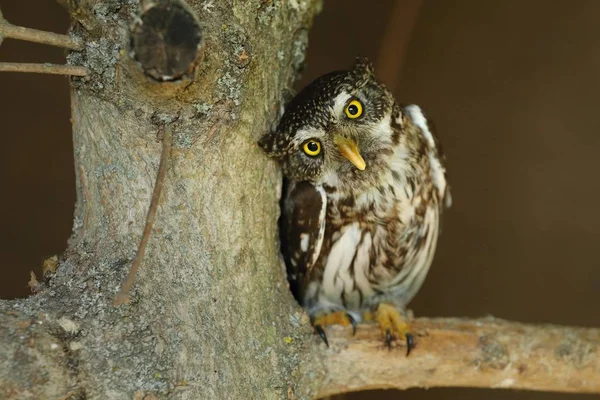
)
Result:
{"points": [[336, 318], [393, 325]]}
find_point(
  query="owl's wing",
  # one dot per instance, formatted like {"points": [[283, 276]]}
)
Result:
{"points": [[437, 161], [302, 229]]}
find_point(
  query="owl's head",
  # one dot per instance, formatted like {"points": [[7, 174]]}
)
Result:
{"points": [[337, 131]]}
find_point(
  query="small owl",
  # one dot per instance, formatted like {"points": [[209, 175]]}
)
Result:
{"points": [[364, 193]]}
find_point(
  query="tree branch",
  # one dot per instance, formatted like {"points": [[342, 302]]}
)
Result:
{"points": [[73, 70], [34, 35], [485, 353]]}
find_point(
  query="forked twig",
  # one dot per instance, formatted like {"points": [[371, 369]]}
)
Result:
{"points": [[123, 295], [8, 30]]}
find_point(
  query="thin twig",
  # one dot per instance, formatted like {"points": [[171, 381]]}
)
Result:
{"points": [[73, 70], [123, 295], [33, 35], [453, 352]]}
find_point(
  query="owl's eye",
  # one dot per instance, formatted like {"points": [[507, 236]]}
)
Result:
{"points": [[354, 109], [312, 148]]}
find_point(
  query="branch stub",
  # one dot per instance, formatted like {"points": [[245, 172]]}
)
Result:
{"points": [[166, 41]]}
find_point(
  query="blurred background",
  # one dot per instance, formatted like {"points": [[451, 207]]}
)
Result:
{"points": [[513, 88]]}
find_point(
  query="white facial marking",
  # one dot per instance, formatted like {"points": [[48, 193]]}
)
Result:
{"points": [[339, 103], [302, 135]]}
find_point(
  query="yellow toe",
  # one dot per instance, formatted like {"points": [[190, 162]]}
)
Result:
{"points": [[336, 318], [393, 324]]}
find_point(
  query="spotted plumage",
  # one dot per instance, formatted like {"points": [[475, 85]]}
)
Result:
{"points": [[365, 189]]}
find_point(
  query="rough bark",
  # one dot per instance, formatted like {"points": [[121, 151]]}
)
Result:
{"points": [[211, 315]]}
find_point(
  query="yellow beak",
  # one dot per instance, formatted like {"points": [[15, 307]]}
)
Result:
{"points": [[349, 150]]}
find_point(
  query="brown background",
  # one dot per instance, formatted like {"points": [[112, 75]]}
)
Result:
{"points": [[513, 88]]}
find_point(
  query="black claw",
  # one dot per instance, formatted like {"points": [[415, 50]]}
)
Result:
{"points": [[410, 344], [388, 338], [353, 322], [321, 333]]}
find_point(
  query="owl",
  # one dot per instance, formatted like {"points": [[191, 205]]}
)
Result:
{"points": [[365, 187]]}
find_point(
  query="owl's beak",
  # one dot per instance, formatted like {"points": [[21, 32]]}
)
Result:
{"points": [[349, 149]]}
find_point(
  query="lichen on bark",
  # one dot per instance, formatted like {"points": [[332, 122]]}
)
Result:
{"points": [[211, 315]]}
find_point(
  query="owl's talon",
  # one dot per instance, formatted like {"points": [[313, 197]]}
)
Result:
{"points": [[388, 339], [319, 329], [353, 323], [393, 325], [335, 318], [410, 344]]}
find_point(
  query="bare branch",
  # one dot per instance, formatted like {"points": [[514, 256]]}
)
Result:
{"points": [[33, 35], [73, 70], [485, 353], [123, 295]]}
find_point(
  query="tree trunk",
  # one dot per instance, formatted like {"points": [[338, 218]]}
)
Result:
{"points": [[211, 315]]}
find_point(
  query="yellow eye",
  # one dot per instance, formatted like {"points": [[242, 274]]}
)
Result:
{"points": [[312, 148], [354, 109]]}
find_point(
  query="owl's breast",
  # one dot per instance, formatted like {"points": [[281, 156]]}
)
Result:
{"points": [[375, 246]]}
